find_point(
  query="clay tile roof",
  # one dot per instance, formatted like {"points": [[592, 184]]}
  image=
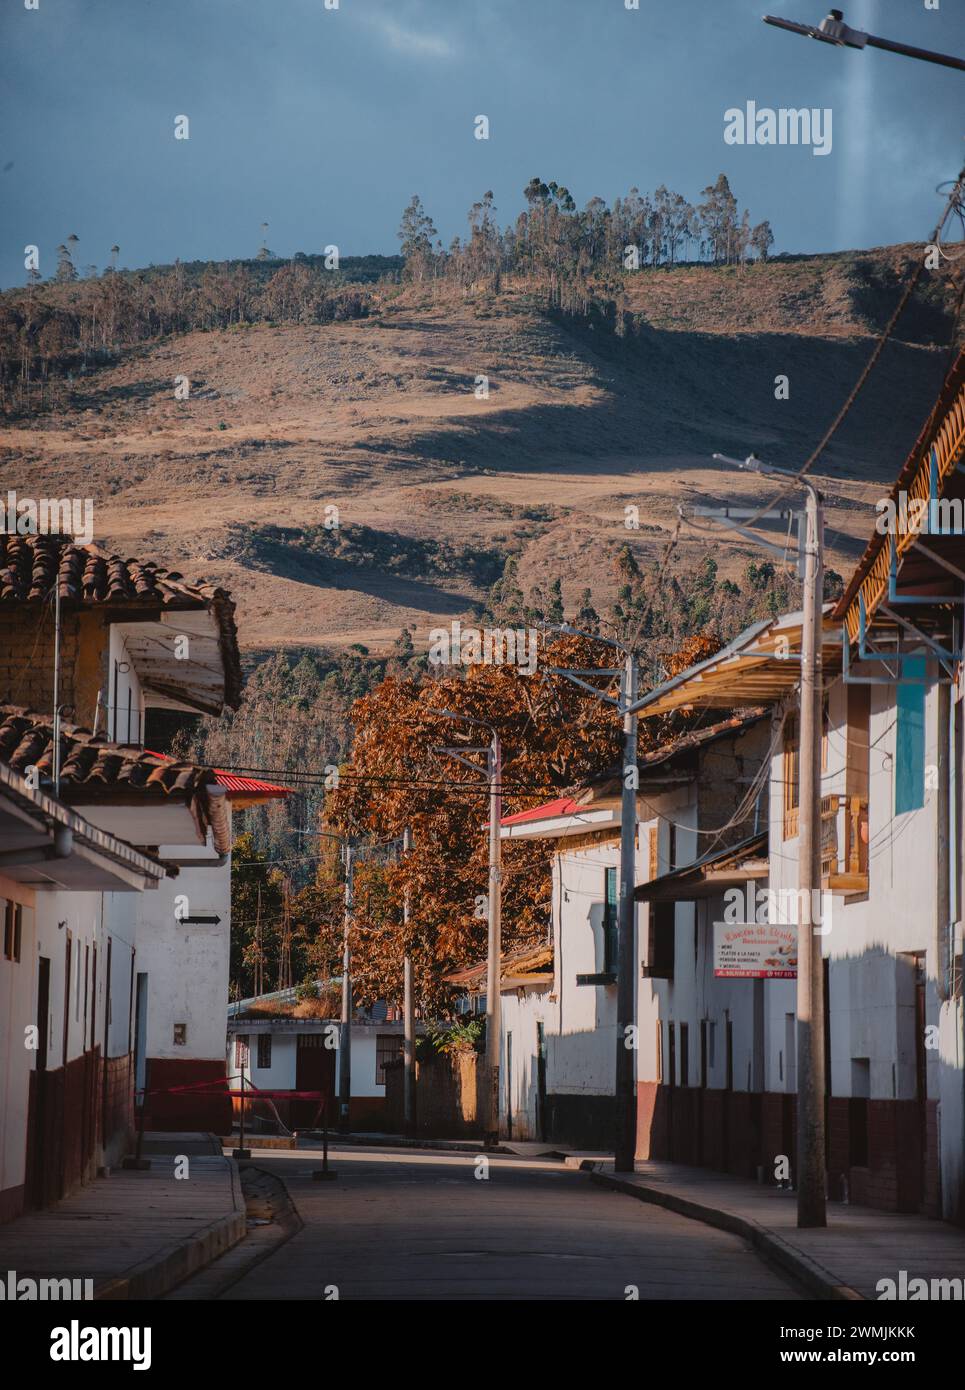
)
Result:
{"points": [[90, 761], [85, 574]]}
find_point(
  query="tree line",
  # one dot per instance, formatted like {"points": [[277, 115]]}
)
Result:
{"points": [[71, 322], [562, 245]]}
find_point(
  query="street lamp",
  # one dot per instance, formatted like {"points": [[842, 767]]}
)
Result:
{"points": [[494, 941], [625, 1137], [811, 1003], [833, 30]]}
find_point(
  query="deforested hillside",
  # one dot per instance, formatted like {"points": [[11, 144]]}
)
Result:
{"points": [[450, 428]]}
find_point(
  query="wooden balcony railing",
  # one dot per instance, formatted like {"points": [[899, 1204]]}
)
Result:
{"points": [[844, 843]]}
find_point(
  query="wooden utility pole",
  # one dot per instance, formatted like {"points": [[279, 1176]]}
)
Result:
{"points": [[811, 1061], [494, 952]]}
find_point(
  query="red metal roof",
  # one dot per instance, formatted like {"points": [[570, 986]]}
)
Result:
{"points": [[564, 806], [233, 783]]}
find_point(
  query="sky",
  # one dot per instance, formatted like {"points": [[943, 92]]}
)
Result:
{"points": [[323, 121]]}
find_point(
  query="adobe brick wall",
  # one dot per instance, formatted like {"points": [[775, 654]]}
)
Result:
{"points": [[27, 659]]}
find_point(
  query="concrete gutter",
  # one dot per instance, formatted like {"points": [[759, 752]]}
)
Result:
{"points": [[158, 1274], [818, 1281]]}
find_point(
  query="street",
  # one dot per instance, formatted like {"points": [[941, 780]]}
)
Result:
{"points": [[409, 1224]]}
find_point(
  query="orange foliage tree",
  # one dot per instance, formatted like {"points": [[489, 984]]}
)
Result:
{"points": [[553, 737]]}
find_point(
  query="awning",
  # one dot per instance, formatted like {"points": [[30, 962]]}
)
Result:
{"points": [[519, 970], [48, 846], [760, 667], [710, 876], [908, 561]]}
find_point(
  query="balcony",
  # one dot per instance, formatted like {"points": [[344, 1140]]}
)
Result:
{"points": [[844, 844]]}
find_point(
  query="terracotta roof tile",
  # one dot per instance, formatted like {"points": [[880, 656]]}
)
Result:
{"points": [[91, 761], [85, 574]]}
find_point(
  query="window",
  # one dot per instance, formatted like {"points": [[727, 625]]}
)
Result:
{"points": [[792, 776], [264, 1051], [388, 1048], [12, 930], [241, 1051], [661, 938], [910, 738], [180, 1035], [684, 1054], [610, 923]]}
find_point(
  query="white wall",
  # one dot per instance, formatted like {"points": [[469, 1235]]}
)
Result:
{"points": [[284, 1035], [187, 963]]}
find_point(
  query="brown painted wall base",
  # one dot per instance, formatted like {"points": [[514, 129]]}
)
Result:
{"points": [[884, 1152], [12, 1202], [186, 1110], [77, 1117]]}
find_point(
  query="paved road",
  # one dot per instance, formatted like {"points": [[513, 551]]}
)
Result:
{"points": [[404, 1224]]}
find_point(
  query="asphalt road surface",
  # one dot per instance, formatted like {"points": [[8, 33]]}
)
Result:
{"points": [[410, 1224]]}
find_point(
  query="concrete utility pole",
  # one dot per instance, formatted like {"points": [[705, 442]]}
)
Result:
{"points": [[626, 1119], [408, 1013], [811, 1004], [624, 1092], [345, 1026]]}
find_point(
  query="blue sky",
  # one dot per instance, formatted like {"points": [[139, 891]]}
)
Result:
{"points": [[323, 122]]}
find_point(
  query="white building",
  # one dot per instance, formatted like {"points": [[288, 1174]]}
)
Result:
{"points": [[558, 1013], [107, 986], [276, 1051], [892, 823]]}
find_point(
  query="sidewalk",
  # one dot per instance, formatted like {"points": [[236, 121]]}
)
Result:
{"points": [[859, 1246], [135, 1234]]}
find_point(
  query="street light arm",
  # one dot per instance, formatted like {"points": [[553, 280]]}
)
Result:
{"points": [[833, 30], [568, 630]]}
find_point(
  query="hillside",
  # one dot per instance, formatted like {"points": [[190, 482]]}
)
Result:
{"points": [[379, 416]]}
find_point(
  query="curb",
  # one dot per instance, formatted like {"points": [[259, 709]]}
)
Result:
{"points": [[158, 1274], [807, 1272], [397, 1141]]}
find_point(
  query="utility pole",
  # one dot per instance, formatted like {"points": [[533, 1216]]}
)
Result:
{"points": [[625, 1117], [625, 1145], [810, 1175], [494, 952], [494, 762], [408, 1011], [345, 1026], [811, 1004]]}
